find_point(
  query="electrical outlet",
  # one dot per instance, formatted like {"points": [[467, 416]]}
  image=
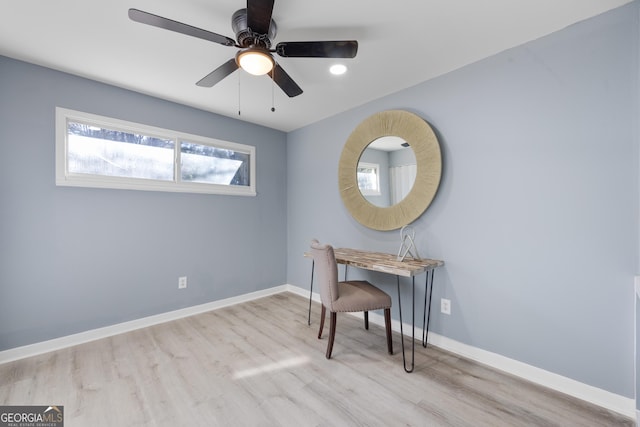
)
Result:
{"points": [[182, 282], [445, 306]]}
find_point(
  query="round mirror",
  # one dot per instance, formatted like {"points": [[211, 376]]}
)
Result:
{"points": [[386, 171], [400, 126]]}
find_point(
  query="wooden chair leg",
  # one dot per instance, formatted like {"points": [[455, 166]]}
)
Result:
{"points": [[322, 315], [366, 320], [387, 325], [332, 333]]}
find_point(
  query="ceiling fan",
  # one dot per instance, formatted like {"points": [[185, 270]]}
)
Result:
{"points": [[255, 31]]}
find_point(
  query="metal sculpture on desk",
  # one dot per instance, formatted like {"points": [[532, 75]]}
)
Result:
{"points": [[407, 243]]}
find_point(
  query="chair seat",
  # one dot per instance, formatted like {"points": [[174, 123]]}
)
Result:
{"points": [[360, 295]]}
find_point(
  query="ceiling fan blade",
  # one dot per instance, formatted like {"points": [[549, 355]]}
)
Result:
{"points": [[326, 49], [285, 81], [219, 73], [259, 15], [178, 27]]}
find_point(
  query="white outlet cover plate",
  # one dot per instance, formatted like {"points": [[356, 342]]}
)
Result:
{"points": [[445, 306]]}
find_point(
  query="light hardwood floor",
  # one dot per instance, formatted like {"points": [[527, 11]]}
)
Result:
{"points": [[259, 364]]}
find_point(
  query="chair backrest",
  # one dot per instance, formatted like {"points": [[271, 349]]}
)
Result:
{"points": [[326, 272]]}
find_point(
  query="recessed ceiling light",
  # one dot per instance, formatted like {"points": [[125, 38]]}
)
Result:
{"points": [[338, 69]]}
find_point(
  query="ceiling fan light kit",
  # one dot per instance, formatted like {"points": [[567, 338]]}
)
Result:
{"points": [[255, 60], [255, 31]]}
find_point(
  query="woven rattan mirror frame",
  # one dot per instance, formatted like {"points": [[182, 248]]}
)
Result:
{"points": [[424, 143]]}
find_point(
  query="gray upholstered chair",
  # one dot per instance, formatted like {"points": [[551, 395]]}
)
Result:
{"points": [[346, 296]]}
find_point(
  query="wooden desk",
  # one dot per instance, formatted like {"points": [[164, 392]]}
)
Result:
{"points": [[385, 263], [388, 263]]}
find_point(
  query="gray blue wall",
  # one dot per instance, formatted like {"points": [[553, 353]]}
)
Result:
{"points": [[536, 217], [74, 259], [537, 213]]}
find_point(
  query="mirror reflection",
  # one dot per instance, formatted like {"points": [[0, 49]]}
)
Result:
{"points": [[386, 171]]}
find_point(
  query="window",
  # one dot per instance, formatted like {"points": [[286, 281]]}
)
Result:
{"points": [[369, 178], [96, 151]]}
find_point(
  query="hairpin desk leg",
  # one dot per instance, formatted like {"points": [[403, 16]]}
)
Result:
{"points": [[413, 322], [428, 288], [313, 264]]}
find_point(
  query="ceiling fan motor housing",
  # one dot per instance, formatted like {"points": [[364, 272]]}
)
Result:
{"points": [[246, 37]]}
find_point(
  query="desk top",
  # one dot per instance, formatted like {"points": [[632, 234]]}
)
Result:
{"points": [[383, 262]]}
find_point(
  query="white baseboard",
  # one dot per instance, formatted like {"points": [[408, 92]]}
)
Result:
{"points": [[597, 396], [603, 398], [636, 282], [107, 331]]}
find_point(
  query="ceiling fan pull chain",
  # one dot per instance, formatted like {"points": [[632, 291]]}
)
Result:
{"points": [[239, 93], [273, 85]]}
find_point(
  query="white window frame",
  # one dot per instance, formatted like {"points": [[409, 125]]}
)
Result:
{"points": [[67, 179], [376, 167]]}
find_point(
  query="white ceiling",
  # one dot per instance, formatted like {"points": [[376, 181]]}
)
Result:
{"points": [[401, 43]]}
